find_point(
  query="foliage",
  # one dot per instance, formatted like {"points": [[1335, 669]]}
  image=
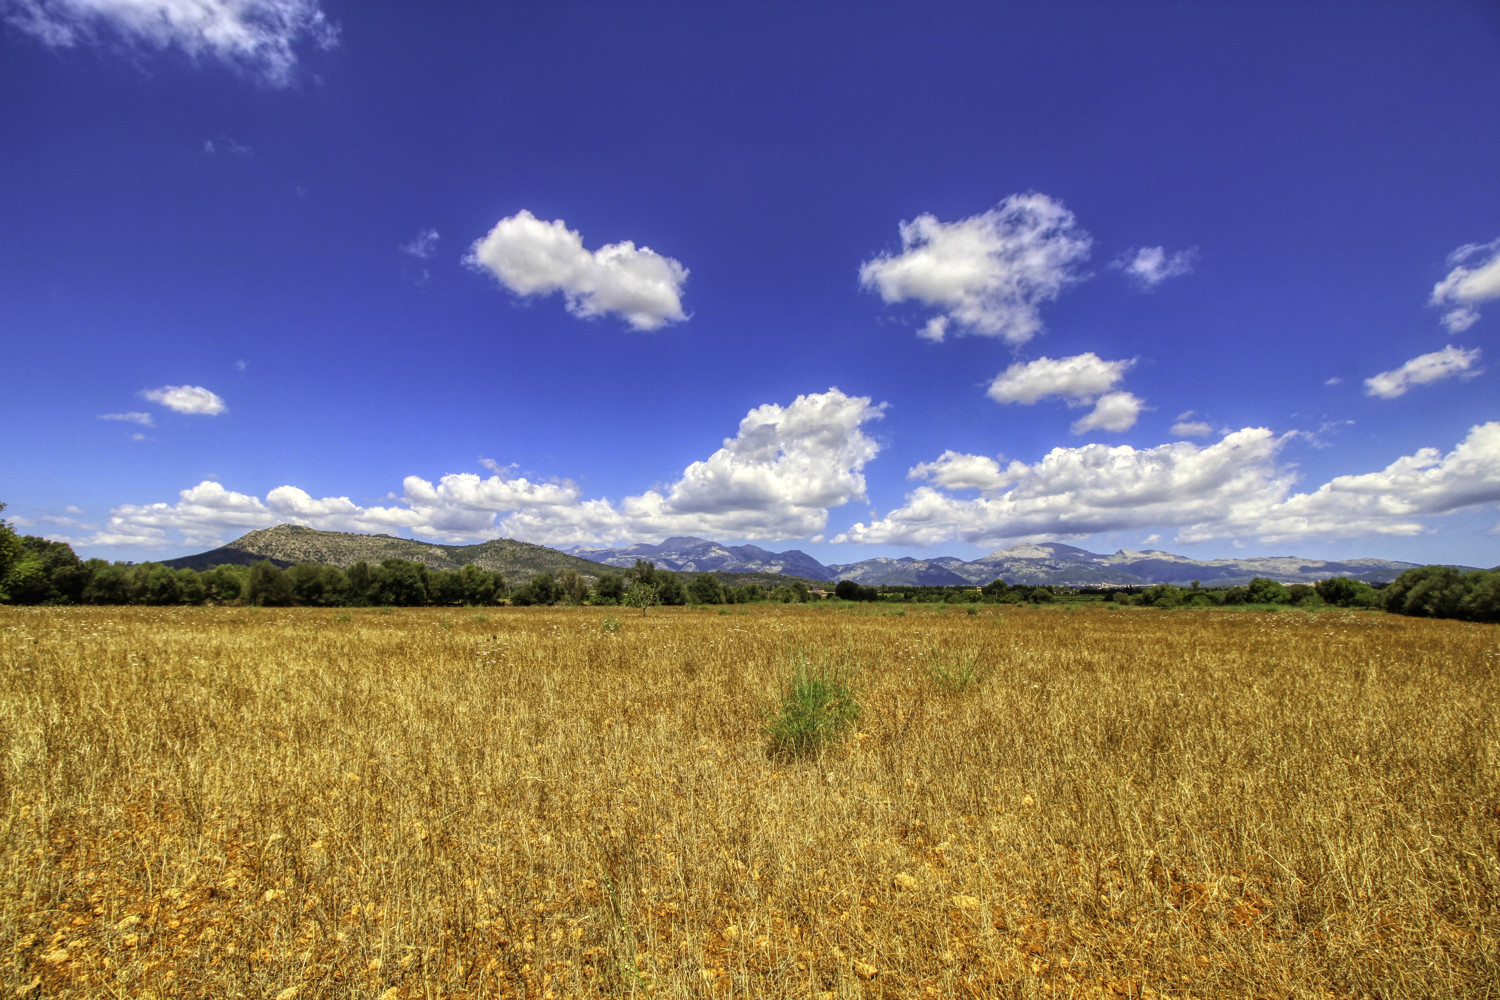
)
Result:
{"points": [[641, 595], [955, 674], [1343, 592], [10, 551], [848, 590], [1444, 592], [706, 589], [817, 707]]}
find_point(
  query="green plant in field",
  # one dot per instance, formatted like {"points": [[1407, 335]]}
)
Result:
{"points": [[956, 675], [610, 625], [971, 610], [817, 708]]}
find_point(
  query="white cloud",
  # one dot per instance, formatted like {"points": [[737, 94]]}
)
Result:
{"points": [[532, 257], [1115, 411], [988, 274], [1148, 267], [134, 417], [776, 478], [1192, 428], [423, 246], [1465, 287], [1424, 369], [1093, 488], [956, 471], [187, 399], [259, 36], [1230, 489], [228, 144], [1078, 380], [1390, 501]]}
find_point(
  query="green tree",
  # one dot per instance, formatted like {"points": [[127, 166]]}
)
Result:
{"points": [[480, 586], [641, 595], [10, 551], [402, 583], [267, 585], [1427, 591], [162, 585], [1482, 602], [572, 587], [1264, 591], [361, 584], [190, 586], [109, 583], [610, 589], [669, 589], [225, 584], [706, 589]]}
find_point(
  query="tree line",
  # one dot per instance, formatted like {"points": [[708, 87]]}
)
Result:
{"points": [[35, 570]]}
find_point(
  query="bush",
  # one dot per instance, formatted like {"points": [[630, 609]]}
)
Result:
{"points": [[955, 676], [817, 708]]}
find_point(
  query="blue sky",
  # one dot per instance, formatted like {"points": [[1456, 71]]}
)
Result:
{"points": [[861, 279]]}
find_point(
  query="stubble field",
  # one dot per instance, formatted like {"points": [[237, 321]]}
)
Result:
{"points": [[212, 802]]}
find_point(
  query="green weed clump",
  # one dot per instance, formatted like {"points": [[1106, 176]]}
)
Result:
{"points": [[958, 674], [818, 707]]}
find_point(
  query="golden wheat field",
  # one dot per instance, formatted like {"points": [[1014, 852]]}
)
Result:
{"points": [[531, 802]]}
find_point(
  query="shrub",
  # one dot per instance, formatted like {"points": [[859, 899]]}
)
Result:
{"points": [[817, 708], [954, 676]]}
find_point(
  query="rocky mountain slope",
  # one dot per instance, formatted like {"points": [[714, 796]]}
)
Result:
{"points": [[1030, 564], [1048, 563], [287, 544]]}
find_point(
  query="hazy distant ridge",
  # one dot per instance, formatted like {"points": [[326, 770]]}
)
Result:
{"points": [[1047, 563], [1031, 564]]}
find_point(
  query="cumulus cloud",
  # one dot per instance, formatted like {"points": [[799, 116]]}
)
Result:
{"points": [[1115, 411], [1424, 369], [988, 274], [133, 417], [777, 477], [1192, 428], [1230, 489], [1465, 287], [532, 257], [1148, 267], [1079, 491], [187, 399], [1079, 380], [1391, 501], [258, 36], [423, 246], [956, 471]]}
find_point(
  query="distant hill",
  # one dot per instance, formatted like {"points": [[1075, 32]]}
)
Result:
{"points": [[1032, 565], [1068, 565], [287, 544], [682, 554]]}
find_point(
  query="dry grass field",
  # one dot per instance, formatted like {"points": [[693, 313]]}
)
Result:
{"points": [[214, 802]]}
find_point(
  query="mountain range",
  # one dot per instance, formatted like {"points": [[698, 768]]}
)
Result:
{"points": [[1030, 564]]}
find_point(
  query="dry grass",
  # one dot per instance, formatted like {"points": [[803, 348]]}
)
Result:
{"points": [[222, 802]]}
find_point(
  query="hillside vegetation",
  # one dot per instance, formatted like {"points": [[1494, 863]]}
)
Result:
{"points": [[288, 544], [528, 802]]}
